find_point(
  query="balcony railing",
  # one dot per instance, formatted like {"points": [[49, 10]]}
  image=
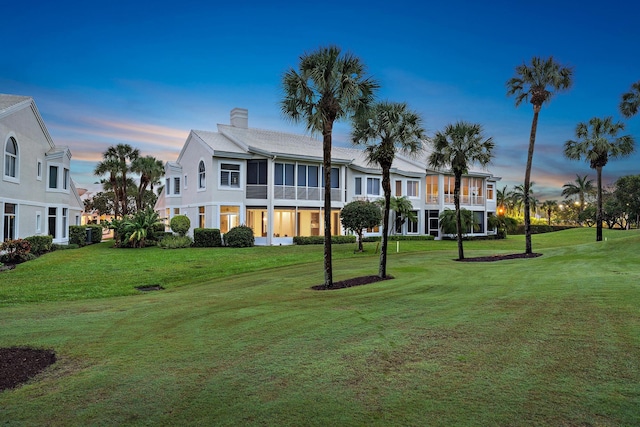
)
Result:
{"points": [[289, 192]]}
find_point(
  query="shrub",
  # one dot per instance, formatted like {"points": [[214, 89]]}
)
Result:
{"points": [[319, 240], [239, 237], [395, 237], [78, 235], [96, 232], [39, 244], [180, 224], [206, 237], [58, 247], [539, 229], [175, 242], [16, 251]]}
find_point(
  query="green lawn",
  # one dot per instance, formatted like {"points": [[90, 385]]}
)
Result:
{"points": [[238, 338]]}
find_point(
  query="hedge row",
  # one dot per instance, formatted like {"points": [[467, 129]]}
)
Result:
{"points": [[319, 240], [206, 238], [78, 234], [395, 238], [539, 229]]}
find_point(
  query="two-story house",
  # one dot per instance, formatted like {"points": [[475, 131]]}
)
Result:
{"points": [[273, 182], [37, 195]]}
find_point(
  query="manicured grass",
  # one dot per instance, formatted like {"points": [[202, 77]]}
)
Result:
{"points": [[238, 338]]}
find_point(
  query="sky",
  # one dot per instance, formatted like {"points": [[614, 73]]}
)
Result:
{"points": [[145, 73]]}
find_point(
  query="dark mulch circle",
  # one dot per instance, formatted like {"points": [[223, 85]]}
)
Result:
{"points": [[493, 258], [19, 364], [356, 281], [149, 288]]}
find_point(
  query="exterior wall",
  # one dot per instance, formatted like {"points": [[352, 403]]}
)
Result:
{"points": [[29, 192]]}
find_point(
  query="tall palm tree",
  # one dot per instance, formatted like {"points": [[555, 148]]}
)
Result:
{"points": [[536, 83], [518, 196], [459, 146], [549, 207], [581, 188], [631, 101], [597, 142], [502, 197], [110, 166], [387, 128], [326, 87], [116, 163], [150, 170]]}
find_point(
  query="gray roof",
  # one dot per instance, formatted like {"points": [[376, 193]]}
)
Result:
{"points": [[7, 102]]}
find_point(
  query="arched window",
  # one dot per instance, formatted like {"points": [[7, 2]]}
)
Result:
{"points": [[11, 158], [201, 171]]}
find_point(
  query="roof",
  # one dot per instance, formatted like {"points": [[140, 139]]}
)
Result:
{"points": [[10, 103]]}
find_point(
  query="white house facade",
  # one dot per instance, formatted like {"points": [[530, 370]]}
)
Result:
{"points": [[273, 182], [37, 194]]}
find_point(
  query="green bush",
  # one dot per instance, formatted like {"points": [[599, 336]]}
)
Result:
{"points": [[539, 229], [16, 251], [40, 244], [175, 242], [239, 237], [77, 235], [206, 237], [319, 240], [394, 238], [96, 232], [58, 247], [180, 224]]}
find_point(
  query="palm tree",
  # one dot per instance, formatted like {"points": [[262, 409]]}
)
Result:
{"points": [[631, 101], [536, 83], [385, 129], [327, 87], [518, 197], [597, 142], [116, 164], [502, 199], [459, 146], [549, 207], [110, 166], [150, 170], [581, 188]]}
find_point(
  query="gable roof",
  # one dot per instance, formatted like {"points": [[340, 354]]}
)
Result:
{"points": [[9, 104]]}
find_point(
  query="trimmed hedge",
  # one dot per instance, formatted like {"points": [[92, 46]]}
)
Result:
{"points": [[180, 224], [319, 240], [539, 229], [40, 244], [239, 237], [78, 235], [96, 232], [207, 238], [395, 238]]}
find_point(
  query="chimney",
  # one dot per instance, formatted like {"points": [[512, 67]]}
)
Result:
{"points": [[240, 118]]}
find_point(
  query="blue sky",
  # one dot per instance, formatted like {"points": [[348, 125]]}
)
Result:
{"points": [[145, 73]]}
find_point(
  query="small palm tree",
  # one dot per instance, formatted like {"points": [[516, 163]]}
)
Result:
{"points": [[536, 83], [597, 142], [385, 129], [631, 101], [449, 221], [580, 187], [150, 170], [549, 207], [459, 146]]}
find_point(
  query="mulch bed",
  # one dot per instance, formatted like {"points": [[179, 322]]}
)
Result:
{"points": [[19, 364], [356, 281], [493, 258]]}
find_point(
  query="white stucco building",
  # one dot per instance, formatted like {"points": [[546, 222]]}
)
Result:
{"points": [[37, 195], [272, 182]]}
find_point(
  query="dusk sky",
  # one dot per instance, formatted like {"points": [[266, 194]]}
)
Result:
{"points": [[147, 72]]}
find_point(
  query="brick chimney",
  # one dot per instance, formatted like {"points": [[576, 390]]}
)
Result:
{"points": [[240, 118]]}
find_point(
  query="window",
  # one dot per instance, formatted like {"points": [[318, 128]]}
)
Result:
{"points": [[9, 221], [432, 188], [412, 188], [449, 186], [11, 158], [313, 176], [65, 180], [167, 186], [412, 226], [229, 218], [373, 186], [176, 185], [307, 176], [53, 177], [185, 181], [257, 172], [230, 175], [335, 178], [358, 187], [65, 220], [478, 227], [398, 189], [201, 216], [38, 222], [284, 174], [39, 170], [490, 195], [52, 222], [201, 175]]}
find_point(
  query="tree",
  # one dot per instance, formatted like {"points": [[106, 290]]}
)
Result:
{"points": [[140, 226], [549, 207], [581, 188], [449, 222], [403, 208], [326, 87], [116, 164], [518, 196], [459, 146], [631, 101], [385, 129], [150, 170], [627, 192], [110, 166], [536, 83], [358, 215], [597, 142]]}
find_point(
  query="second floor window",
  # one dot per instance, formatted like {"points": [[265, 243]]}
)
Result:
{"points": [[358, 189], [229, 175], [257, 172], [373, 186], [11, 158], [176, 185], [53, 177], [284, 174], [412, 188], [201, 176]]}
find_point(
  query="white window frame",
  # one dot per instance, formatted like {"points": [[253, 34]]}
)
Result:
{"points": [[417, 188], [202, 175], [374, 179], [16, 160], [229, 186], [39, 168], [176, 185]]}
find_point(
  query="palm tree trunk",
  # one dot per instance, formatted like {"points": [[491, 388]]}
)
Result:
{"points": [[599, 210], [527, 180], [386, 188], [456, 201], [326, 151]]}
